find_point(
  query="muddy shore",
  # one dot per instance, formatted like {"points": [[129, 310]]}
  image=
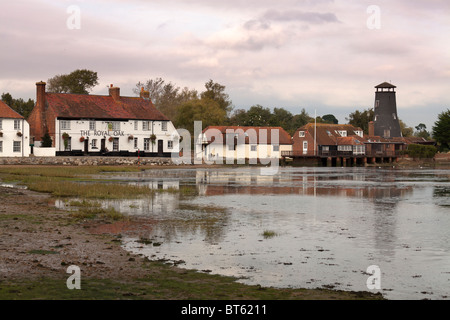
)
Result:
{"points": [[38, 242]]}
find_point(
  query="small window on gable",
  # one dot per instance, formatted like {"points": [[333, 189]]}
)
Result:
{"points": [[301, 134]]}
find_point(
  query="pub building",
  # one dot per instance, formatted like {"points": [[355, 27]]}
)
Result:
{"points": [[112, 125]]}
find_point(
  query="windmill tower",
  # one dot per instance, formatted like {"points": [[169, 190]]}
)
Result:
{"points": [[386, 123]]}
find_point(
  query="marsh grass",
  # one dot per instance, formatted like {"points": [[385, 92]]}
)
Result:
{"points": [[93, 213], [268, 234]]}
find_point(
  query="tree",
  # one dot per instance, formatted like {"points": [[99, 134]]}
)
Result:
{"points": [[406, 131], [166, 96], [216, 92], [441, 131], [21, 106], [47, 141], [258, 116], [299, 120], [206, 110], [422, 132], [282, 118], [329, 118], [361, 119], [80, 81]]}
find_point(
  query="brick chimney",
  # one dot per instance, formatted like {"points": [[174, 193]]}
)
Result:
{"points": [[40, 94], [145, 94], [371, 129], [114, 92], [38, 117]]}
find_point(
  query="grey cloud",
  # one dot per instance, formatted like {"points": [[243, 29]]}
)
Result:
{"points": [[256, 25], [301, 16]]}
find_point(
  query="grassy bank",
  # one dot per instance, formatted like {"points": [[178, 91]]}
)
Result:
{"points": [[166, 284]]}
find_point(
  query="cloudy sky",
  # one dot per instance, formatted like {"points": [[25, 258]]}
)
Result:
{"points": [[324, 55]]}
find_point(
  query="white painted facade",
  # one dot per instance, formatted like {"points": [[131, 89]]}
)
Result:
{"points": [[14, 138], [131, 136], [218, 151]]}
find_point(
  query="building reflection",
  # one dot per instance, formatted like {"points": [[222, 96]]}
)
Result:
{"points": [[217, 184]]}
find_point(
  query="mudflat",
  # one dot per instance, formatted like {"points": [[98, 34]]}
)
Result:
{"points": [[38, 243]]}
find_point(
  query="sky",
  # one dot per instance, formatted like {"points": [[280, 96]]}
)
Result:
{"points": [[325, 56]]}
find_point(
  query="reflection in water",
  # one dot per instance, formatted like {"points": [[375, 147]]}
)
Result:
{"points": [[331, 225]]}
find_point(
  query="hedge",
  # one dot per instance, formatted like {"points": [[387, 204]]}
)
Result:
{"points": [[421, 151]]}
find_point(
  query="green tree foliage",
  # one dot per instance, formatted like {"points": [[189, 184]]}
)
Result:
{"points": [[421, 132], [282, 118], [263, 117], [21, 106], [47, 141], [206, 110], [361, 119], [299, 120], [216, 92], [406, 131], [329, 118], [80, 81], [421, 151], [441, 131]]}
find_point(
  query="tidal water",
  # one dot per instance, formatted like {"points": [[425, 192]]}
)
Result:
{"points": [[302, 228]]}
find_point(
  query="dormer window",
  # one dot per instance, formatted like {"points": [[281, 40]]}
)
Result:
{"points": [[342, 133], [359, 133]]}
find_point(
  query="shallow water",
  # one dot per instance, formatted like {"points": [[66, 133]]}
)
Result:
{"points": [[330, 225]]}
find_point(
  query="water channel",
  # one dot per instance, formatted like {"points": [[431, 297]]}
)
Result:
{"points": [[303, 227]]}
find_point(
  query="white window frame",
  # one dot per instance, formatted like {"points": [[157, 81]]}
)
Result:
{"points": [[94, 144], [116, 146], [136, 125], [115, 125], [1, 146], [164, 126], [147, 144], [170, 144], [145, 125], [253, 148], [92, 125], [302, 134], [17, 125], [65, 124], [17, 146], [305, 147], [1, 124], [136, 143]]}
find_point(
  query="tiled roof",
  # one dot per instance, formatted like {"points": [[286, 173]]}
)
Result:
{"points": [[7, 112], [350, 141], [327, 134], [102, 107], [284, 137]]}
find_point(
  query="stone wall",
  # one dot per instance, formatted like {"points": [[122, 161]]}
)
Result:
{"points": [[86, 161]]}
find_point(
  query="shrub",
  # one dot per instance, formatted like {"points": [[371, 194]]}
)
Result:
{"points": [[421, 151]]}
